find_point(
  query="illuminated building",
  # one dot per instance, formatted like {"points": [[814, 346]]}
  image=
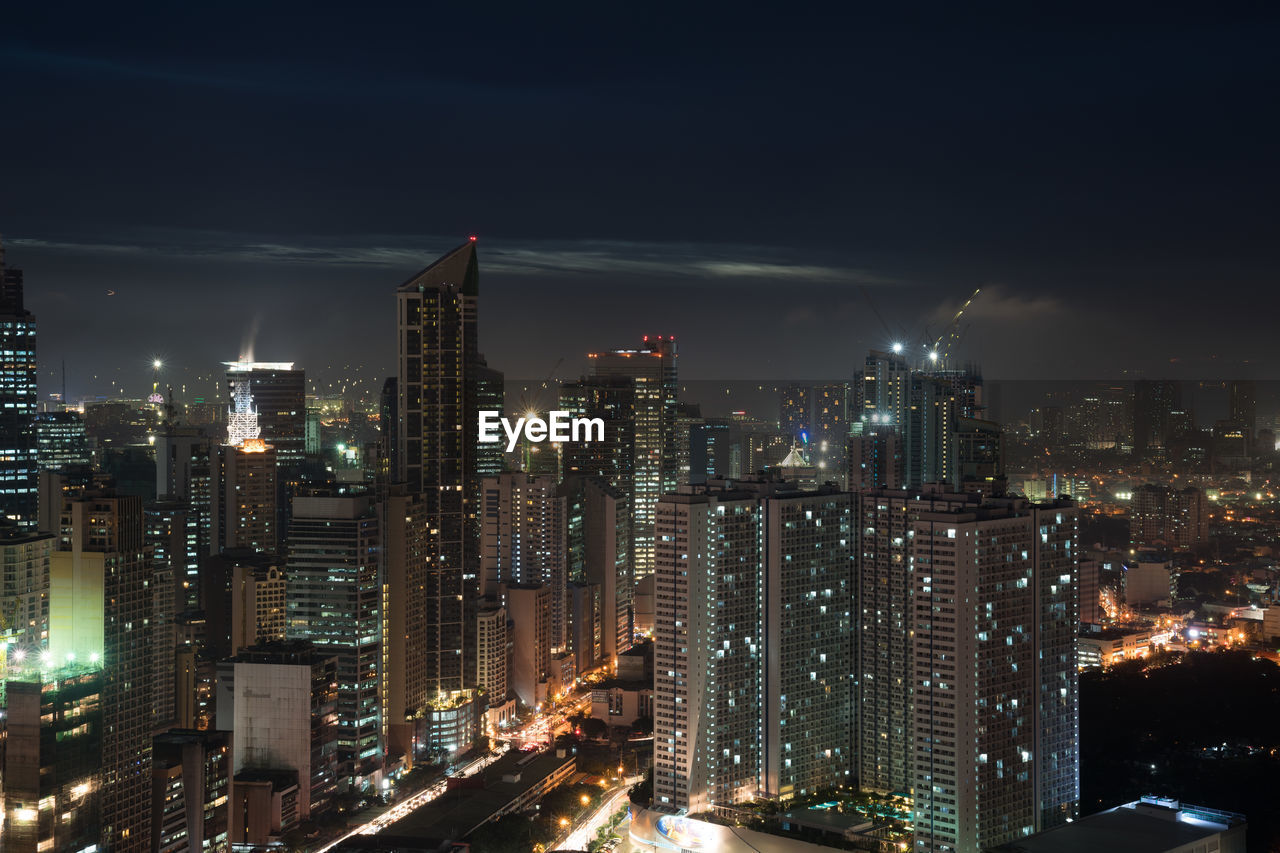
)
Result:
{"points": [[490, 392], [24, 592], [709, 451], [280, 700], [335, 601], [19, 457], [921, 408], [243, 512], [61, 440], [52, 760], [258, 589], [101, 603], [708, 649], [173, 531], [166, 534], [492, 652], [597, 553], [438, 390], [522, 540], [1101, 649], [1167, 517], [873, 457], [1152, 824], [994, 612], [980, 457], [795, 413], [884, 733], [830, 428], [406, 689], [652, 369], [190, 791], [276, 394]]}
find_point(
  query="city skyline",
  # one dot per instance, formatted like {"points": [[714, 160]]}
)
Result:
{"points": [[1059, 167]]}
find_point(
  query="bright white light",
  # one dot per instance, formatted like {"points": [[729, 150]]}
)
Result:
{"points": [[933, 356], [897, 348], [157, 364]]}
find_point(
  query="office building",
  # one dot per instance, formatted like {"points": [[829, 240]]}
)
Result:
{"points": [[258, 595], [190, 791], [334, 601], [522, 541], [19, 456], [24, 591], [438, 390], [61, 440], [710, 451], [243, 512], [490, 390], [884, 733], [652, 370], [101, 603], [613, 400], [279, 394], [597, 553], [406, 689], [996, 719], [280, 700], [52, 760], [174, 535], [492, 653]]}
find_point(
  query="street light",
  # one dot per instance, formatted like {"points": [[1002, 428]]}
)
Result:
{"points": [[585, 799]]}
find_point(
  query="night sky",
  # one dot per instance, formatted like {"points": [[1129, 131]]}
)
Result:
{"points": [[741, 180]]}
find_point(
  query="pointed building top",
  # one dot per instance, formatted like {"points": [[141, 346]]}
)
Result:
{"points": [[457, 268]]}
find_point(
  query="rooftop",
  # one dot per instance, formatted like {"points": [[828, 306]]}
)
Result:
{"points": [[1148, 825]]}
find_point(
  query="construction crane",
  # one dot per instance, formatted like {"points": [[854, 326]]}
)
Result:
{"points": [[951, 332]]}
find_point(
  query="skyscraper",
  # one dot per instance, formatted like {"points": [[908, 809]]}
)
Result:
{"points": [[279, 393], [884, 735], [1153, 403], [405, 685], [652, 369], [438, 405], [598, 553], [995, 613], [920, 408], [19, 458], [101, 603], [334, 600]]}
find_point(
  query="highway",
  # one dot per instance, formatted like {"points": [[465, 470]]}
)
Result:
{"points": [[580, 835], [538, 731]]}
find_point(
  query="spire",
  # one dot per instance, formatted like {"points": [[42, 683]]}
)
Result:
{"points": [[242, 417], [456, 268]]}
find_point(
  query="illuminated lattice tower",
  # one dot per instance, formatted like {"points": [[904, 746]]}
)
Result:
{"points": [[242, 416]]}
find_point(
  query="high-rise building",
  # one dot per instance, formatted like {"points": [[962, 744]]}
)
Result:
{"points": [[597, 552], [279, 393], [1154, 401], [61, 440], [528, 606], [101, 603], [243, 512], [806, 601], [873, 457], [710, 453], [996, 715], [652, 369], [522, 540], [1244, 405], [174, 533], [1160, 516], [334, 600], [613, 400], [190, 790], [52, 760], [438, 391], [258, 594], [490, 391], [280, 700], [406, 689], [921, 408], [19, 456], [491, 661], [24, 592], [980, 457], [708, 648], [884, 735], [795, 411], [829, 428]]}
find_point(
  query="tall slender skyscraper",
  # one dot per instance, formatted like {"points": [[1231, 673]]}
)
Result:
{"points": [[995, 611], [438, 394], [19, 457], [652, 368]]}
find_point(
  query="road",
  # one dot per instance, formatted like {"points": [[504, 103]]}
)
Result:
{"points": [[541, 729], [581, 835]]}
